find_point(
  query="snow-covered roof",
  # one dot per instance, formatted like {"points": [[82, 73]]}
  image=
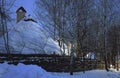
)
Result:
{"points": [[27, 37]]}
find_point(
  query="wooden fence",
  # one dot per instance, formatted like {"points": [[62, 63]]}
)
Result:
{"points": [[53, 63]]}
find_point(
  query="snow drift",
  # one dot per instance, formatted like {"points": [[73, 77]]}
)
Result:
{"points": [[34, 71], [27, 37], [22, 71]]}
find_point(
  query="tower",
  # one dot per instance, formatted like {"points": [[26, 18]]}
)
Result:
{"points": [[20, 13]]}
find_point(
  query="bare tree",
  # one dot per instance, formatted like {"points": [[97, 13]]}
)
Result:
{"points": [[113, 39], [85, 22], [56, 14], [50, 17], [5, 16]]}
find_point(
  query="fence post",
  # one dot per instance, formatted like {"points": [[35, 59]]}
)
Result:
{"points": [[71, 60]]}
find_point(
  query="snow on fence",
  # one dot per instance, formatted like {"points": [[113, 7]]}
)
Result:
{"points": [[53, 63]]}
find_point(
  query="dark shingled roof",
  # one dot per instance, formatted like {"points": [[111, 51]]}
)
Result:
{"points": [[21, 8]]}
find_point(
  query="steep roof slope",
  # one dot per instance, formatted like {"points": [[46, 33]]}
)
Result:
{"points": [[28, 37]]}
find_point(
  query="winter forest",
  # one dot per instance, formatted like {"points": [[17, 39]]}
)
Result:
{"points": [[60, 38]]}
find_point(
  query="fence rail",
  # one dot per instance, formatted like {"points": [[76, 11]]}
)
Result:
{"points": [[50, 62]]}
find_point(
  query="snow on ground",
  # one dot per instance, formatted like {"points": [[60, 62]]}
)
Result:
{"points": [[34, 71]]}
